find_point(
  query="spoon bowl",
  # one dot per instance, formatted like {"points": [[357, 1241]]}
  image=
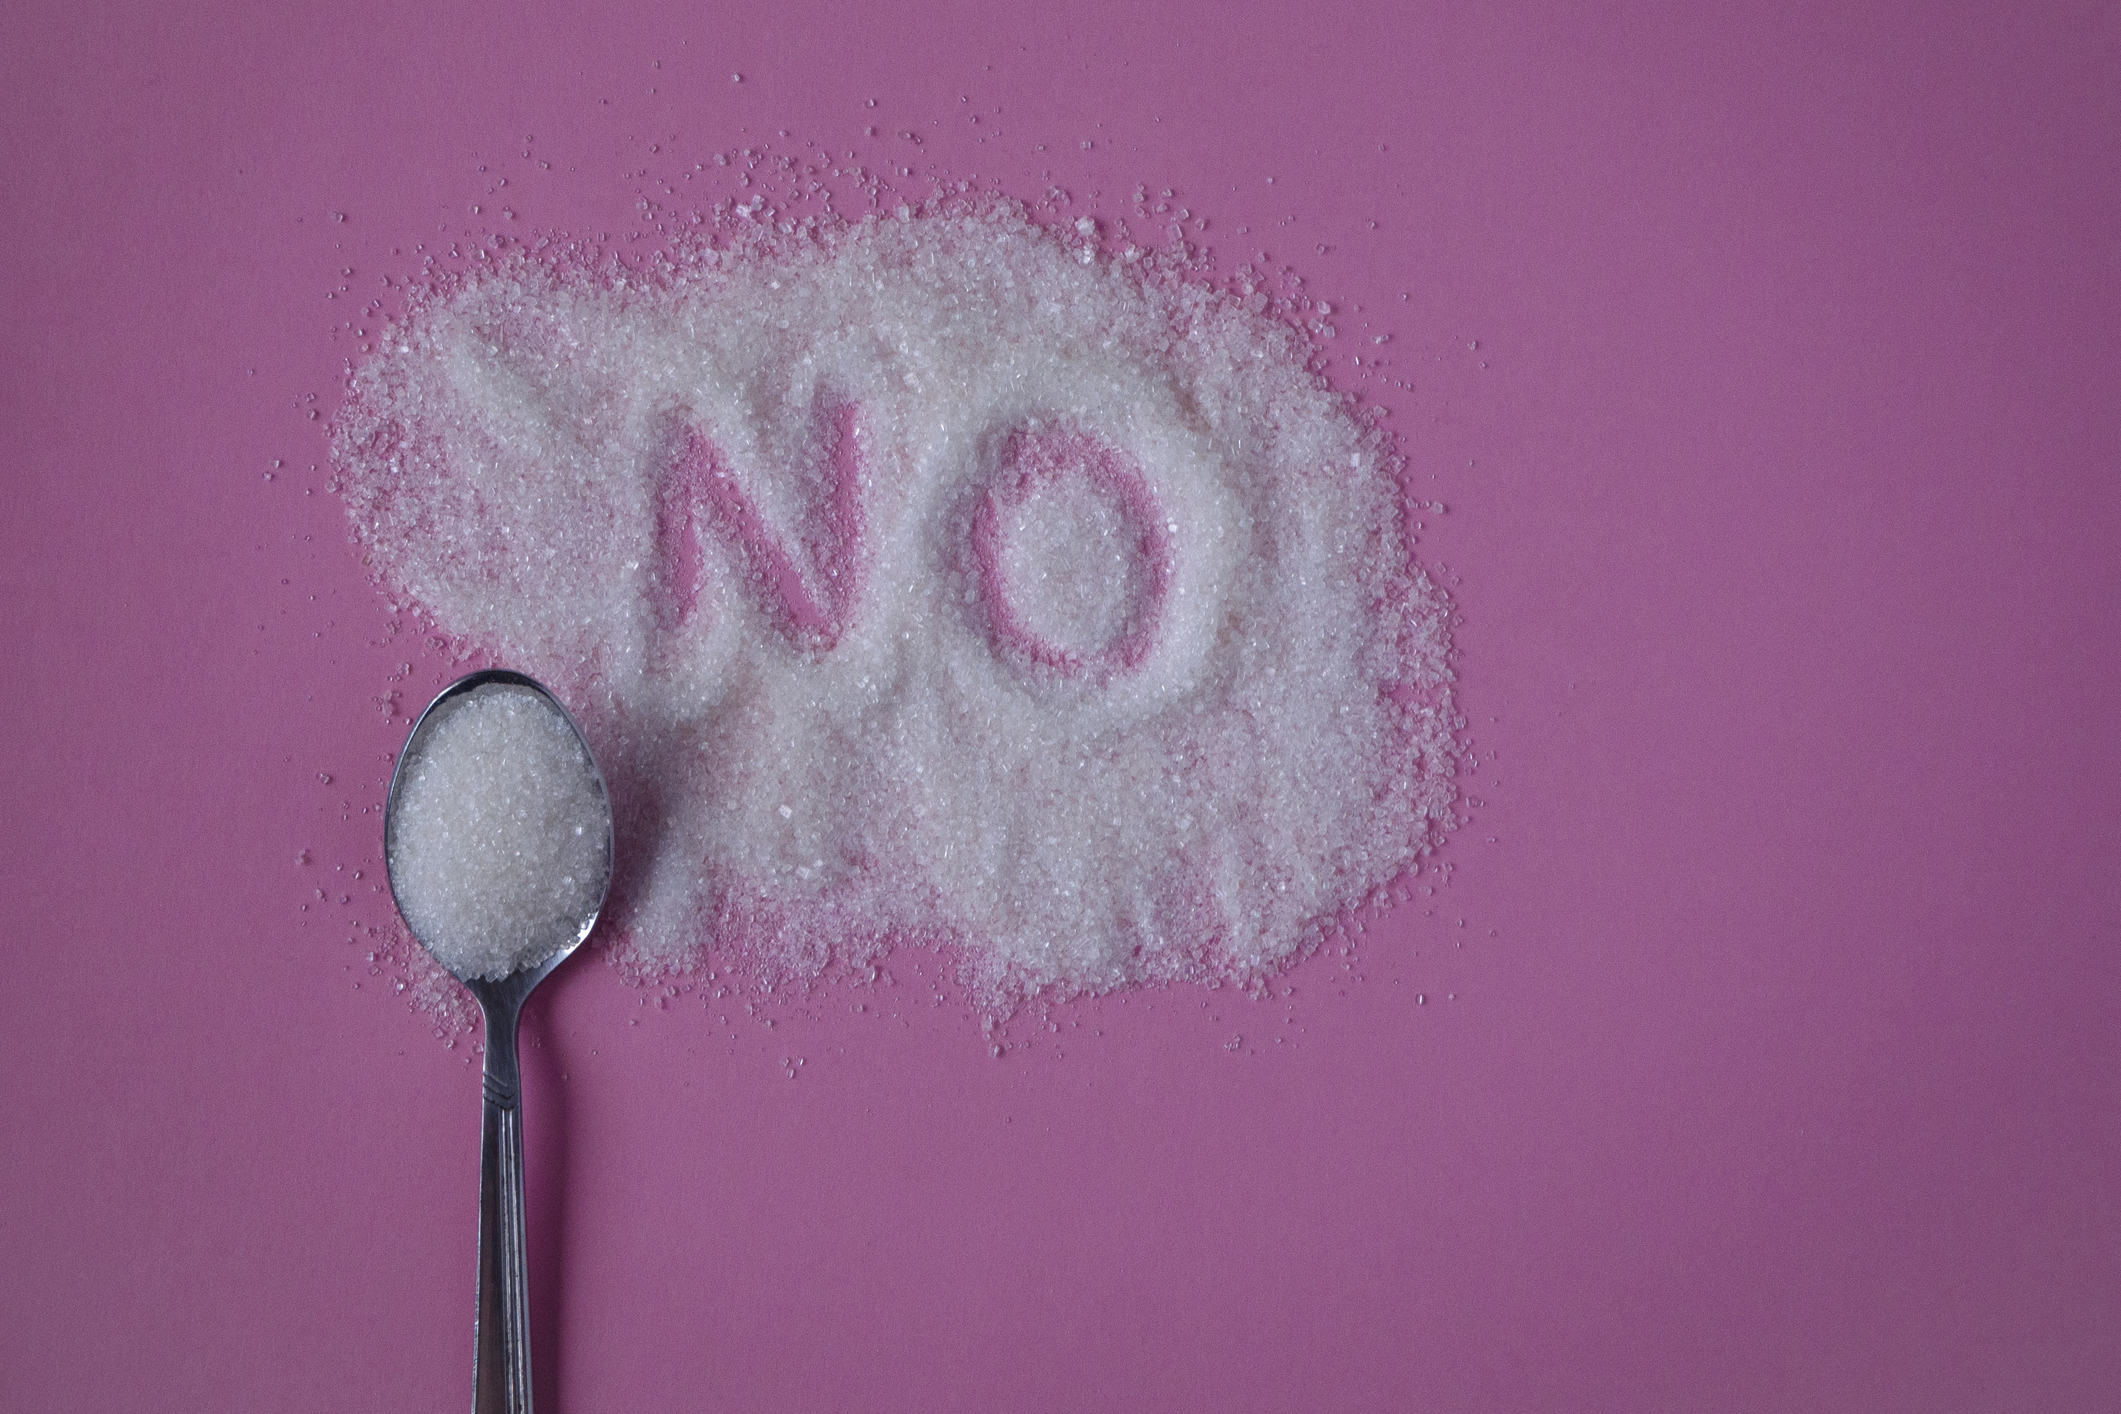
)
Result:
{"points": [[501, 1350]]}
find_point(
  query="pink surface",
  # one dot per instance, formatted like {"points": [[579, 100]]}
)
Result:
{"points": [[1759, 1052]]}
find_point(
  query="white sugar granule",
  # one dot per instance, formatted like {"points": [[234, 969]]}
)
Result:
{"points": [[935, 578], [501, 833]]}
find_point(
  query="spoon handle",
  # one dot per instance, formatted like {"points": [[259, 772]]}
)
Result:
{"points": [[500, 1370]]}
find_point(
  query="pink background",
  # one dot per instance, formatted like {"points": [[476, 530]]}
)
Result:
{"points": [[1769, 1056]]}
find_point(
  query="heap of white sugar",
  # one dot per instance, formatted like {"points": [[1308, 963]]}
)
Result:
{"points": [[934, 577], [500, 835]]}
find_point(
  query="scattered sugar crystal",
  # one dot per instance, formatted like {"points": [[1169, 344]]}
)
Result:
{"points": [[931, 577], [500, 835]]}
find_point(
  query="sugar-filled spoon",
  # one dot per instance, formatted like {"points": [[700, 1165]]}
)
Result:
{"points": [[497, 839]]}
